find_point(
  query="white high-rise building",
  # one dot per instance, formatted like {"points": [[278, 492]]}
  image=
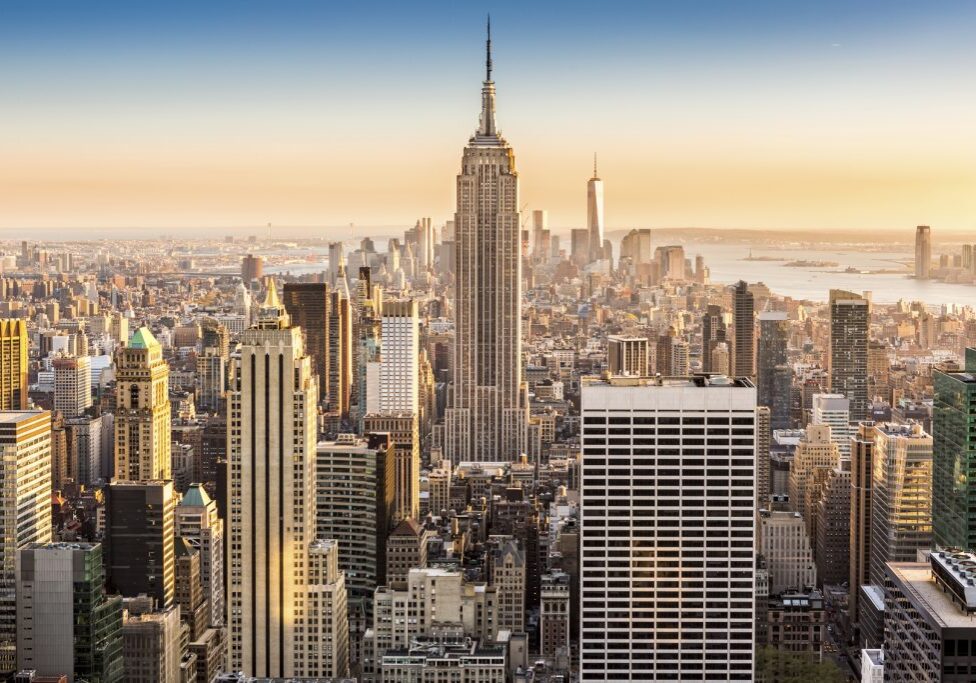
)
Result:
{"points": [[329, 627], [72, 385], [668, 529], [594, 214], [488, 413], [271, 432], [25, 477], [399, 358], [834, 410]]}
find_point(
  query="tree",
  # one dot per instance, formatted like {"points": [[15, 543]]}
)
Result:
{"points": [[776, 666]]}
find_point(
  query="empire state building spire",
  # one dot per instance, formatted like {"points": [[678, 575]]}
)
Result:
{"points": [[487, 127]]}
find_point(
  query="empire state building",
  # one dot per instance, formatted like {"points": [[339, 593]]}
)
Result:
{"points": [[486, 420]]}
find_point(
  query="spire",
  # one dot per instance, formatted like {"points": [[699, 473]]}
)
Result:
{"points": [[487, 127], [595, 175], [488, 53], [271, 299]]}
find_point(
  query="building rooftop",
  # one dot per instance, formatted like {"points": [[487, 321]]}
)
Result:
{"points": [[14, 416], [142, 339], [703, 380], [916, 580]]}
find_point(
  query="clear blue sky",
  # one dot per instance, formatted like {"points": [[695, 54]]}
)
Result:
{"points": [[218, 113]]}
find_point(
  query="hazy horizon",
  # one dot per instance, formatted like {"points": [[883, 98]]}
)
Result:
{"points": [[184, 117]]}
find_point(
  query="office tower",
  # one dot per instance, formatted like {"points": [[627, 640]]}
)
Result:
{"points": [[833, 526], [487, 419], [816, 455], [834, 410], [66, 624], [879, 381], [189, 595], [406, 548], [929, 627], [142, 417], [211, 380], [670, 262], [681, 618], [786, 547], [340, 352], [271, 468], [923, 252], [84, 438], [508, 569], [25, 477], [850, 316], [862, 462], [399, 361], [72, 385], [403, 430], [151, 645], [714, 332], [636, 246], [764, 437], [901, 496], [554, 614], [628, 356], [252, 268], [198, 522], [139, 528], [594, 214], [13, 364], [744, 331], [328, 628], [355, 498], [540, 235], [773, 374], [336, 256], [579, 253], [308, 305], [954, 454]]}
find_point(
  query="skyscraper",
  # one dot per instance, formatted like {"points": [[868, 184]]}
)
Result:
{"points": [[714, 332], [862, 462], [142, 417], [744, 334], [834, 410], [901, 496], [340, 349], [594, 214], [198, 523], [66, 624], [72, 385], [25, 479], [488, 415], [923, 251], [271, 467], [139, 533], [773, 374], [646, 524], [308, 305], [953, 455], [847, 361], [252, 268], [629, 356], [13, 365]]}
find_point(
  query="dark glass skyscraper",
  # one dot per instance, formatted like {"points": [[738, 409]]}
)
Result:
{"points": [[774, 377], [850, 316], [954, 456]]}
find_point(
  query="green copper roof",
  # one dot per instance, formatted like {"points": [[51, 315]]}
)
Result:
{"points": [[142, 339], [195, 496]]}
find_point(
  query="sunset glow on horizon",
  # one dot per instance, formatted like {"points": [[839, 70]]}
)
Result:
{"points": [[182, 116]]}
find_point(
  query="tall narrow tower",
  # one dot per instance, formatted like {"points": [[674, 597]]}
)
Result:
{"points": [[594, 214], [923, 251], [142, 418], [271, 475], [487, 418]]}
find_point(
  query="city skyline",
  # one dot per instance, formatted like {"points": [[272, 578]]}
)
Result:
{"points": [[226, 118]]}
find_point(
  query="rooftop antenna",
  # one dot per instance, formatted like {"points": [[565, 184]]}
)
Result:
{"points": [[488, 52]]}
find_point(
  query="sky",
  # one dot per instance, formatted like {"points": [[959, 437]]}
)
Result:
{"points": [[215, 117]]}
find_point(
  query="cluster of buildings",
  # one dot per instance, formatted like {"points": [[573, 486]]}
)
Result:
{"points": [[476, 456]]}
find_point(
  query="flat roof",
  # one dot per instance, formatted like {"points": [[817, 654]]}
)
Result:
{"points": [[703, 380], [14, 416], [916, 578]]}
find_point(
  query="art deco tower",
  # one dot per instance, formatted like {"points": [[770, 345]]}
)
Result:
{"points": [[142, 419], [271, 474], [487, 420]]}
